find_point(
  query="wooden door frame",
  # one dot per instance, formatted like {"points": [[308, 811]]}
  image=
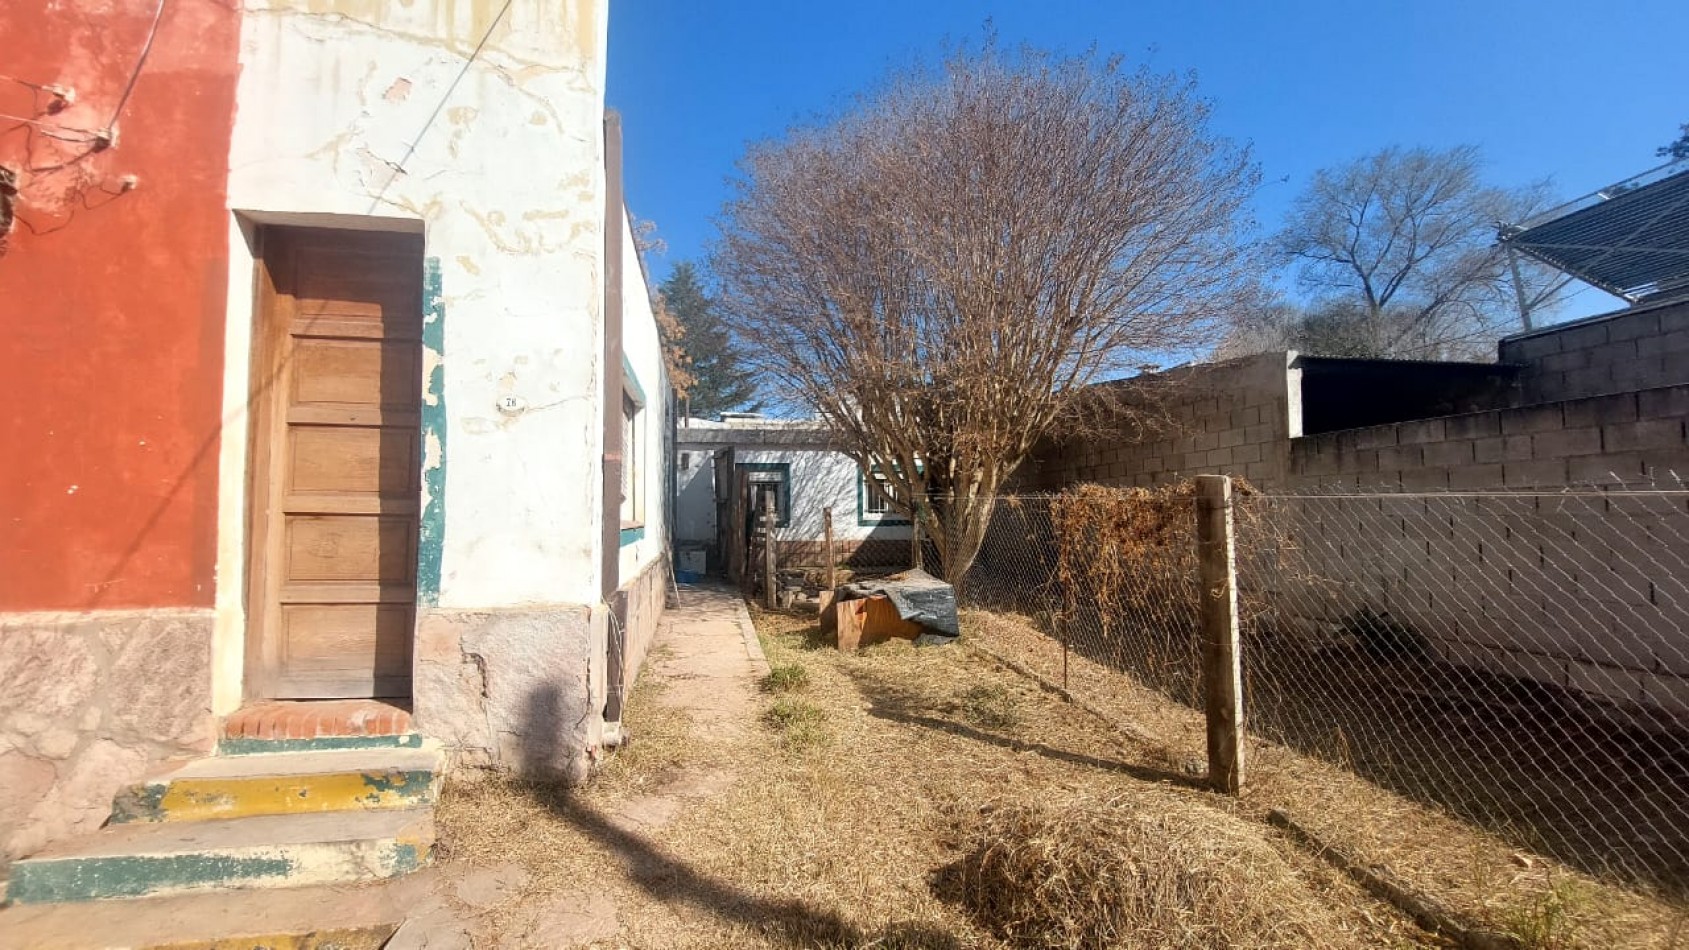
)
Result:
{"points": [[273, 316], [259, 680]]}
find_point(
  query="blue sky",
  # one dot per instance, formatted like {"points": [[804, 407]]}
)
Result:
{"points": [[1577, 92]]}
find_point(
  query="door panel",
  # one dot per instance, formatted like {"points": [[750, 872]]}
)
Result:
{"points": [[335, 465]]}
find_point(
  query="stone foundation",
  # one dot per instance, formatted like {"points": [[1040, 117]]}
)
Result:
{"points": [[641, 603], [90, 703], [518, 690]]}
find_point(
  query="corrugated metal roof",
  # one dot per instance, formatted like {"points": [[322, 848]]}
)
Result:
{"points": [[1631, 239]]}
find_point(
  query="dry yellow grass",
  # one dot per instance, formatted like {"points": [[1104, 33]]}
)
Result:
{"points": [[1135, 872], [842, 841], [1481, 876]]}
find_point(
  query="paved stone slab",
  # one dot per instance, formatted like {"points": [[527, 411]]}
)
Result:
{"points": [[290, 919]]}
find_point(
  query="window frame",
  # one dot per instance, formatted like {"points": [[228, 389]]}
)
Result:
{"points": [[634, 458], [866, 518]]}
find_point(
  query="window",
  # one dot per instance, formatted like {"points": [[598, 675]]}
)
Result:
{"points": [[872, 508], [877, 504], [633, 474]]}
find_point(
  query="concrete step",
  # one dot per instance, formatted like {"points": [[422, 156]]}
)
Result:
{"points": [[261, 745], [350, 917], [285, 783], [142, 858]]}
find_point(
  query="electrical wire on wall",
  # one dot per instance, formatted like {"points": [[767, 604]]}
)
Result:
{"points": [[93, 141]]}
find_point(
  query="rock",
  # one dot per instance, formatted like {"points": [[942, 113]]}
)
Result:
{"points": [[574, 918], [438, 930], [482, 888]]}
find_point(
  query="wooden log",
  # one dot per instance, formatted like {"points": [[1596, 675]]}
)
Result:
{"points": [[829, 577], [1222, 677], [770, 577]]}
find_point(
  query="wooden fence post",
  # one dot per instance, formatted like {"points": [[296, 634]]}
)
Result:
{"points": [[1222, 677], [770, 593], [830, 576], [917, 559]]}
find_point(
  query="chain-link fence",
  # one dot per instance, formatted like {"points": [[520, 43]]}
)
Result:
{"points": [[1519, 661]]}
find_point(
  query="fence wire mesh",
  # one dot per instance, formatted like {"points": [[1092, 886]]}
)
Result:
{"points": [[1519, 661]]}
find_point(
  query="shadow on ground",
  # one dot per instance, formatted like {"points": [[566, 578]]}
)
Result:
{"points": [[667, 879], [895, 702]]}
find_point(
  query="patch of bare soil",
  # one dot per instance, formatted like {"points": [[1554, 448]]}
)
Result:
{"points": [[845, 811]]}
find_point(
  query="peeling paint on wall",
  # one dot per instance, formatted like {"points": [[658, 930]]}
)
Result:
{"points": [[431, 533]]}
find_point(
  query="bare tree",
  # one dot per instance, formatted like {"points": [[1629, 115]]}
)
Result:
{"points": [[1399, 251], [940, 271]]}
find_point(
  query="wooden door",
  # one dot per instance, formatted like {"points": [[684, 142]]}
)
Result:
{"points": [[335, 464]]}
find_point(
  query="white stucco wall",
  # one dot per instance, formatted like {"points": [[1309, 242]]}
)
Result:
{"points": [[818, 479], [643, 349], [362, 113], [694, 508], [507, 182]]}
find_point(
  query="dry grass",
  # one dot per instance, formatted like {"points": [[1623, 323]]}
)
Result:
{"points": [[842, 842], [1139, 872], [1545, 903]]}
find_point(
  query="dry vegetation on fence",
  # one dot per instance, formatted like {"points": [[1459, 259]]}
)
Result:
{"points": [[1478, 874], [894, 798]]}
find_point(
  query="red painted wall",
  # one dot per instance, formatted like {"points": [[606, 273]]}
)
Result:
{"points": [[112, 302]]}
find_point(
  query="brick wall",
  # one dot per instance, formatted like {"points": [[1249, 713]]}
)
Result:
{"points": [[1641, 348], [1230, 418]]}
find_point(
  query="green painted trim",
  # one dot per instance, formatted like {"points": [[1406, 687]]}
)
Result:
{"points": [[869, 519], [246, 746], [785, 470], [630, 535], [630, 380], [82, 879], [431, 533]]}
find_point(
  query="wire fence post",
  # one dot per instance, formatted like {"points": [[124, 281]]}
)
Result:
{"points": [[1222, 678]]}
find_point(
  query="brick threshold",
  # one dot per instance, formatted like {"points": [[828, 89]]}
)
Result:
{"points": [[318, 719]]}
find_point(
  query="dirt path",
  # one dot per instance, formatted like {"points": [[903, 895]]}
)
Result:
{"points": [[821, 811]]}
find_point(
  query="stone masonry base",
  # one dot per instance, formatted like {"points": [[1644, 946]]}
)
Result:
{"points": [[90, 703]]}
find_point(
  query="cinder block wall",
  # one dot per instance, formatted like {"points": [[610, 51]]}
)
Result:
{"points": [[1623, 438], [1561, 584], [1234, 418], [1578, 591], [1641, 348]]}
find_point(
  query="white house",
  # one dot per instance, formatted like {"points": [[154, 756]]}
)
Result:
{"points": [[375, 448], [793, 461]]}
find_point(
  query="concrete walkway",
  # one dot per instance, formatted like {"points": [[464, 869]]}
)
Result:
{"points": [[706, 658]]}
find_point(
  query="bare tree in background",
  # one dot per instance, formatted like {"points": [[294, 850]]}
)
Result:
{"points": [[940, 271], [1399, 251]]}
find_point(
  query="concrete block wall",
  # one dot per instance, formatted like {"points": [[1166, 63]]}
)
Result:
{"points": [[1567, 581], [1583, 591], [1626, 438], [1641, 348], [1232, 418]]}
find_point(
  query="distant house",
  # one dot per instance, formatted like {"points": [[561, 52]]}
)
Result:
{"points": [[796, 465], [335, 409]]}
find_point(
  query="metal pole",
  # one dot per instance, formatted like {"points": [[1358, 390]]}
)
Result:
{"points": [[1519, 289]]}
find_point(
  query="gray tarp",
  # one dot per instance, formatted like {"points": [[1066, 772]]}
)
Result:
{"points": [[919, 597]]}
